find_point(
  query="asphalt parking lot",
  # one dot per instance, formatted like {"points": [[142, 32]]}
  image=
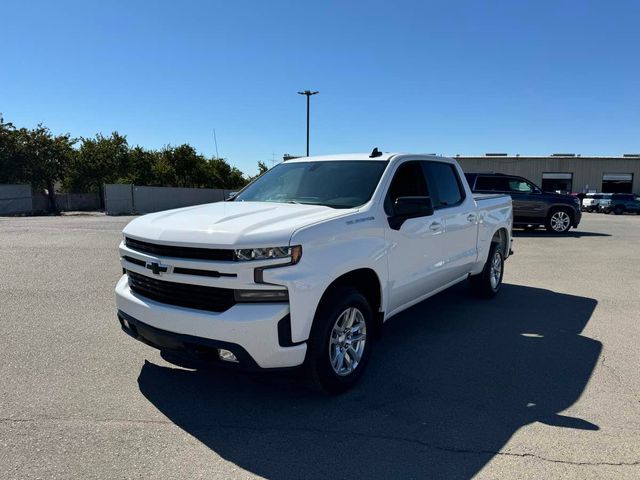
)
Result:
{"points": [[541, 382]]}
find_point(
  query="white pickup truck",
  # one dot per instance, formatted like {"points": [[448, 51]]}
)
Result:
{"points": [[303, 266]]}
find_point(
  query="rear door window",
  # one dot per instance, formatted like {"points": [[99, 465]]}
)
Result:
{"points": [[492, 184], [518, 185]]}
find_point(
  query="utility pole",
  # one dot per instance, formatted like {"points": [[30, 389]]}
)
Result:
{"points": [[215, 139], [308, 94]]}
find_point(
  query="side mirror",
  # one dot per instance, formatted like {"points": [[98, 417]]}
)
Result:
{"points": [[413, 207], [231, 196], [410, 207]]}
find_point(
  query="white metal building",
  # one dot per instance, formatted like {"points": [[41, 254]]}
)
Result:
{"points": [[566, 172]]}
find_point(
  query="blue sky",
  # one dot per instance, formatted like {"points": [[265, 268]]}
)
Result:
{"points": [[446, 77]]}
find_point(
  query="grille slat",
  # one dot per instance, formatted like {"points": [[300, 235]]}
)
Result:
{"points": [[162, 290], [137, 261], [180, 252], [191, 290], [213, 299]]}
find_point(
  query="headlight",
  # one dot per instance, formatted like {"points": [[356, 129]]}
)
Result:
{"points": [[246, 254]]}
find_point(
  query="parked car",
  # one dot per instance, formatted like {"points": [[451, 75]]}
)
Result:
{"points": [[303, 265], [620, 203], [531, 206], [591, 201]]}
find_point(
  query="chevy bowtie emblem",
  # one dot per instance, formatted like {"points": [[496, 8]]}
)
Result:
{"points": [[157, 268]]}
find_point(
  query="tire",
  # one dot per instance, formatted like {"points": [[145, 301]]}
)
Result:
{"points": [[619, 210], [558, 221], [330, 355], [487, 283]]}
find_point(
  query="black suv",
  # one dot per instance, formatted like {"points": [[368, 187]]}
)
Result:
{"points": [[531, 206]]}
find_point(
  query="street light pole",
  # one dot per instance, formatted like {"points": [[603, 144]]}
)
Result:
{"points": [[308, 94]]}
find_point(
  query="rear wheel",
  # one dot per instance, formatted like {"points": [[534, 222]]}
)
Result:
{"points": [[340, 343], [619, 210], [558, 221], [487, 283]]}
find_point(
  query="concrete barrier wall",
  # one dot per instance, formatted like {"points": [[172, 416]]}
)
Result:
{"points": [[129, 199], [118, 199], [155, 199], [15, 199], [40, 203], [68, 202], [83, 202]]}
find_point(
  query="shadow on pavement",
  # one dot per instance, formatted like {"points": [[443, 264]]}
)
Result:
{"points": [[569, 234], [452, 379]]}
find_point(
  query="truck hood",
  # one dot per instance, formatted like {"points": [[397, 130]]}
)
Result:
{"points": [[224, 224]]}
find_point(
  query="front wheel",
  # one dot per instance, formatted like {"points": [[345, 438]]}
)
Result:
{"points": [[619, 210], [340, 343], [558, 221], [487, 283]]}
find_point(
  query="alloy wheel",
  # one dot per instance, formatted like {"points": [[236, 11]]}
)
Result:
{"points": [[347, 341], [560, 221], [495, 272]]}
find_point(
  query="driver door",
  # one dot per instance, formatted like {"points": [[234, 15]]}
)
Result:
{"points": [[416, 256], [527, 204]]}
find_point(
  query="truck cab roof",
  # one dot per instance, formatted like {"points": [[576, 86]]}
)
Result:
{"points": [[383, 157]]}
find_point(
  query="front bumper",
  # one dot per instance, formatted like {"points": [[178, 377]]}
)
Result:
{"points": [[187, 347], [255, 330], [577, 217]]}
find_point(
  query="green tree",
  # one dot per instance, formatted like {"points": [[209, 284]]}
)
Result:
{"points": [[262, 167], [142, 167], [34, 156], [189, 168], [45, 158], [12, 168], [223, 175], [38, 157], [163, 172], [99, 160]]}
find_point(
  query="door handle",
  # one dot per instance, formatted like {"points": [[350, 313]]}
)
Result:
{"points": [[435, 226], [471, 217]]}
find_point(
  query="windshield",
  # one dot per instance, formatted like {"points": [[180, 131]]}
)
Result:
{"points": [[336, 184]]}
